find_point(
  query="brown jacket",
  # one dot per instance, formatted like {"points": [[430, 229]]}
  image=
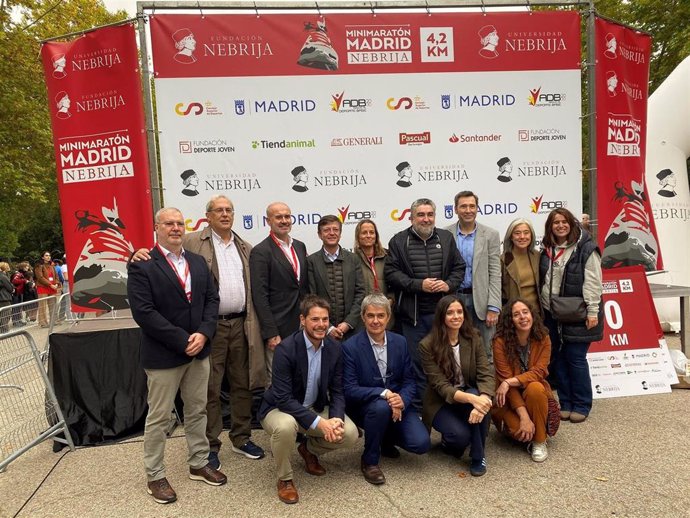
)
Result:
{"points": [[41, 273], [510, 285], [538, 364], [439, 390], [201, 243]]}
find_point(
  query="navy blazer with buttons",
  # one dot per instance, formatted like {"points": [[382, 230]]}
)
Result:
{"points": [[166, 318], [289, 381], [362, 378]]}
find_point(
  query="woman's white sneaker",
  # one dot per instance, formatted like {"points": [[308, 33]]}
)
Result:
{"points": [[539, 451]]}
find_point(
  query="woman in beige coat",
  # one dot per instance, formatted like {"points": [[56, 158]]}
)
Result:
{"points": [[520, 264]]}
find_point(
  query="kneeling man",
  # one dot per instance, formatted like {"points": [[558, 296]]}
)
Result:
{"points": [[306, 395], [379, 386]]}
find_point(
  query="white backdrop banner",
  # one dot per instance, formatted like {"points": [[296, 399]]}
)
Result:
{"points": [[358, 116]]}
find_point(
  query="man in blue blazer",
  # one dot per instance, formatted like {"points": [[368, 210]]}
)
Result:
{"points": [[306, 395], [175, 302], [380, 385]]}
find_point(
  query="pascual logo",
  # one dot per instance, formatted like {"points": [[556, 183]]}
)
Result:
{"points": [[539, 98], [399, 215], [231, 182], [340, 104], [483, 100], [623, 135], [352, 217], [442, 173], [541, 169], [339, 178], [283, 144], [205, 146], [197, 108], [540, 135], [384, 44], [356, 141], [543, 42], [539, 205], [473, 139], [415, 138], [284, 105], [406, 103]]}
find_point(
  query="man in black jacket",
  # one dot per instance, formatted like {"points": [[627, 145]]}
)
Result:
{"points": [[423, 264], [175, 302]]}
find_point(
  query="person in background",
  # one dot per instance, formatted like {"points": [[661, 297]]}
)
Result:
{"points": [[522, 349], [6, 290], [520, 263], [570, 266], [461, 383], [47, 286], [19, 280]]}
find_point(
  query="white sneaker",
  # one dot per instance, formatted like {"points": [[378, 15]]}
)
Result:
{"points": [[539, 451]]}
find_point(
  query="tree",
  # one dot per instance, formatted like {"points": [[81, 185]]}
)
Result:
{"points": [[29, 219]]}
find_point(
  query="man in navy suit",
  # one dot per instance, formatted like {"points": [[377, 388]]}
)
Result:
{"points": [[279, 279], [175, 302], [379, 384], [306, 395]]}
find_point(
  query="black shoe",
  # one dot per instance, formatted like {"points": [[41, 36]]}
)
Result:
{"points": [[478, 467]]}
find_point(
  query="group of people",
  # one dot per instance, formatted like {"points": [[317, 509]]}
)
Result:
{"points": [[440, 330], [25, 284]]}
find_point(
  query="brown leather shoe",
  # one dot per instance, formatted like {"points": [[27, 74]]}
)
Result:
{"points": [[373, 474], [287, 492], [207, 474], [311, 461], [161, 491]]}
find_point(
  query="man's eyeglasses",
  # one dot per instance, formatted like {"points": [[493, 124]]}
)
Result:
{"points": [[222, 210], [383, 367]]}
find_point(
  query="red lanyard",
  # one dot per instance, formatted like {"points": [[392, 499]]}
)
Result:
{"points": [[292, 260], [373, 270], [183, 282], [550, 253]]}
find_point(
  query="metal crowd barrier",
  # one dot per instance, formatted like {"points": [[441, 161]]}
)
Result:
{"points": [[29, 411]]}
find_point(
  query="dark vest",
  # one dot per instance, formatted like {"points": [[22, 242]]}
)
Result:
{"points": [[426, 259], [337, 291], [571, 286]]}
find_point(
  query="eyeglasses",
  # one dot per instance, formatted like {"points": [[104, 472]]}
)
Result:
{"points": [[383, 367], [222, 210]]}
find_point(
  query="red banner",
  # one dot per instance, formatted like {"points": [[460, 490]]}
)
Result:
{"points": [[96, 108], [307, 44], [627, 234]]}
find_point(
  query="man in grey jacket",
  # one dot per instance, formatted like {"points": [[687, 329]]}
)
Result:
{"points": [[479, 247]]}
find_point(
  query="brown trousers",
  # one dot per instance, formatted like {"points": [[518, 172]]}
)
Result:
{"points": [[536, 402], [229, 356]]}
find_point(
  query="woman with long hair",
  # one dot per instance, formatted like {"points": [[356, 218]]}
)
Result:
{"points": [[372, 257], [520, 263], [47, 285], [522, 349], [570, 267], [460, 385]]}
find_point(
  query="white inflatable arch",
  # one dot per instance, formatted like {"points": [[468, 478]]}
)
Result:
{"points": [[668, 148]]}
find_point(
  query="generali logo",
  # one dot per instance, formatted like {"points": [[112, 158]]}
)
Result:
{"points": [[415, 138]]}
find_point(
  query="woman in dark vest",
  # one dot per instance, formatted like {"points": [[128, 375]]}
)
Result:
{"points": [[570, 266]]}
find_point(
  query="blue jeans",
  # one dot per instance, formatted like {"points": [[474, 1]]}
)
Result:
{"points": [[414, 334], [486, 332], [456, 431], [570, 369], [375, 419]]}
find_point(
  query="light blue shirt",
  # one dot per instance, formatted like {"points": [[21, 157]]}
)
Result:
{"points": [[381, 357], [313, 375], [331, 257], [465, 244]]}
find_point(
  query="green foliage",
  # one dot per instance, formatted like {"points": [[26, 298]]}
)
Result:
{"points": [[29, 219]]}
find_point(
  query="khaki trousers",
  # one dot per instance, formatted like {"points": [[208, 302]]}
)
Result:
{"points": [[283, 430], [229, 355], [45, 309], [192, 381], [536, 402]]}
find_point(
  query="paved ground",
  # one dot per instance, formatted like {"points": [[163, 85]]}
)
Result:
{"points": [[630, 458]]}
